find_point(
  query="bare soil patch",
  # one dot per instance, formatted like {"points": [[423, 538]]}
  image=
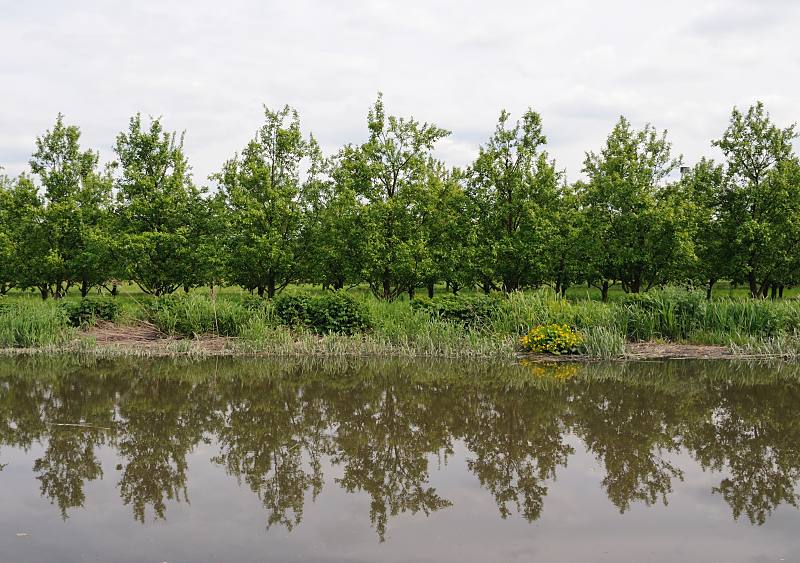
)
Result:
{"points": [[673, 351], [145, 338]]}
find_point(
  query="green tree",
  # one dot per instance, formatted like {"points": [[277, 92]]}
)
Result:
{"points": [[155, 194], [389, 173], [333, 231], [262, 189], [703, 186], [761, 198], [448, 229], [77, 197], [514, 187], [633, 226], [23, 246]]}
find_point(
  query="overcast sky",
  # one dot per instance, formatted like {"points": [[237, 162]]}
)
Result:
{"points": [[207, 67]]}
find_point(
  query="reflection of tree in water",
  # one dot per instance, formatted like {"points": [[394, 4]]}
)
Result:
{"points": [[383, 440], [75, 417], [630, 429], [383, 427], [267, 431], [752, 434], [162, 421], [516, 440]]}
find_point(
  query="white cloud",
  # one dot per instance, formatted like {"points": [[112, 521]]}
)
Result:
{"points": [[207, 67]]}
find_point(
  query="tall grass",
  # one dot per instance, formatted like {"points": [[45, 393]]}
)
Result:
{"points": [[194, 314], [28, 324], [751, 327]]}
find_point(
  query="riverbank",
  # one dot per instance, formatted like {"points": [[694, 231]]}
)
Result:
{"points": [[666, 324], [108, 340]]}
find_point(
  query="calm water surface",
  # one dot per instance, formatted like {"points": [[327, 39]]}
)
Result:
{"points": [[135, 460]]}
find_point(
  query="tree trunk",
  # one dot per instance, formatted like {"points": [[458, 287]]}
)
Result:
{"points": [[411, 292], [260, 290], [271, 288], [510, 285], [44, 291], [114, 289], [751, 280], [710, 287], [780, 291], [604, 291], [84, 288], [430, 290], [185, 288], [454, 287], [487, 287], [387, 288]]}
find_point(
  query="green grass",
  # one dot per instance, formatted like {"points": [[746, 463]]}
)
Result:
{"points": [[32, 324], [749, 327]]}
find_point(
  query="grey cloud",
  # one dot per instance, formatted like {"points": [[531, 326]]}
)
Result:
{"points": [[207, 67]]}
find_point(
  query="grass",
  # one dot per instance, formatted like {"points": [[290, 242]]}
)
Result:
{"points": [[31, 324], [748, 327]]}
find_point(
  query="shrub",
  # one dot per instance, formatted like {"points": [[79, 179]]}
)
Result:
{"points": [[470, 310], [553, 339], [293, 309], [336, 312], [90, 309]]}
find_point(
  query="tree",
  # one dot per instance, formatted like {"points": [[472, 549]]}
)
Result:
{"points": [[22, 242], [262, 189], [760, 200], [703, 187], [154, 198], [388, 173], [333, 229], [448, 228], [514, 188], [632, 226], [77, 198]]}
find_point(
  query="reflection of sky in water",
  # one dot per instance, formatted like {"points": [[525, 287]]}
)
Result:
{"points": [[225, 521]]}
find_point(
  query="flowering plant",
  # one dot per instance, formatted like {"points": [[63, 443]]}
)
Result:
{"points": [[553, 339]]}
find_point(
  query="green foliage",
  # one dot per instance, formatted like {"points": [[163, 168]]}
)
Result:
{"points": [[32, 324], [472, 311], [334, 312], [514, 189], [602, 342], [388, 214], [633, 227], [193, 315], [90, 309], [156, 204], [262, 189], [294, 309]]}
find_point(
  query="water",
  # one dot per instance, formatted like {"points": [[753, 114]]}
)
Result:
{"points": [[144, 460]]}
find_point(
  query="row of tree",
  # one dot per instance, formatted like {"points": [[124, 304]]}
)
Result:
{"points": [[389, 214]]}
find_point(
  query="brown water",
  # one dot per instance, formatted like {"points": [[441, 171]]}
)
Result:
{"points": [[397, 461]]}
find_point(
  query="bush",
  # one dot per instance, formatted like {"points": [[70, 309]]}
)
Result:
{"points": [[336, 312], [90, 309], [553, 339], [339, 313], [293, 309], [469, 310]]}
